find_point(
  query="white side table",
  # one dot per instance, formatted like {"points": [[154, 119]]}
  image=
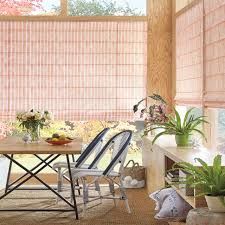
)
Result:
{"points": [[202, 216]]}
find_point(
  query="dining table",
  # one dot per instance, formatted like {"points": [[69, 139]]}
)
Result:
{"points": [[46, 155]]}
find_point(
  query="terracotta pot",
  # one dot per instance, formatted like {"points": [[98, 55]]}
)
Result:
{"points": [[215, 203]]}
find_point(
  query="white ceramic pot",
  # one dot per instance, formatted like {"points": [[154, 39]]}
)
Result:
{"points": [[215, 203]]}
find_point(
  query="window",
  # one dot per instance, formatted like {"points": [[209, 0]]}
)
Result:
{"points": [[74, 7], [78, 70], [217, 120], [107, 7], [29, 7], [221, 126]]}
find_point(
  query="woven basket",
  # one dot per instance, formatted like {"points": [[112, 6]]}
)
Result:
{"points": [[135, 171]]}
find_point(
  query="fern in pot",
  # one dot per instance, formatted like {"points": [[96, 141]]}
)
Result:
{"points": [[209, 180]]}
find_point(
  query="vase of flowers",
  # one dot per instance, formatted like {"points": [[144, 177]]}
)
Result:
{"points": [[33, 121], [152, 114]]}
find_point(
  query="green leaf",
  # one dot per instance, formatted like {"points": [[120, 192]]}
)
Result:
{"points": [[157, 136], [178, 119], [186, 116], [200, 132]]}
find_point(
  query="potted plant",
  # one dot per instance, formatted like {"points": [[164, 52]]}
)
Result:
{"points": [[154, 113], [156, 118], [209, 180], [181, 129]]}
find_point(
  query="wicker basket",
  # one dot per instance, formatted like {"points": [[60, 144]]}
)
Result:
{"points": [[136, 172]]}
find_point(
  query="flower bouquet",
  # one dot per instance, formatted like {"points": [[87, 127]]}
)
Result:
{"points": [[154, 114], [33, 121]]}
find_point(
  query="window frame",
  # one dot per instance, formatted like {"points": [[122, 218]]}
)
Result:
{"points": [[64, 16]]}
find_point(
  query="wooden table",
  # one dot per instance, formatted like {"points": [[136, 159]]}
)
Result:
{"points": [[12, 146]]}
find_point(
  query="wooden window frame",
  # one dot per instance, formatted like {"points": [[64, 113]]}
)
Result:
{"points": [[63, 16]]}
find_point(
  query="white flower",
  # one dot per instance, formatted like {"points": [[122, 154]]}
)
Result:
{"points": [[24, 117], [38, 116], [48, 116], [30, 114]]}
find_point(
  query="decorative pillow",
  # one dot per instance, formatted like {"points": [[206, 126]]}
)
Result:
{"points": [[159, 197], [170, 205]]}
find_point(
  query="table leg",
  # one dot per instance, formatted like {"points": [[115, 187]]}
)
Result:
{"points": [[72, 186], [8, 175], [36, 177], [73, 207], [65, 177], [18, 179], [28, 171]]}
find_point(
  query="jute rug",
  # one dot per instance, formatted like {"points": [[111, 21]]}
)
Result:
{"points": [[104, 214]]}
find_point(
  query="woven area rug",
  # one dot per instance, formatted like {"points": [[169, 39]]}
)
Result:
{"points": [[104, 214]]}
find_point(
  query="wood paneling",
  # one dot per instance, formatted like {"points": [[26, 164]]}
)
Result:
{"points": [[160, 48], [155, 167], [180, 4]]}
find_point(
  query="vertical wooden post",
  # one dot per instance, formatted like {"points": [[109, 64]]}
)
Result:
{"points": [[159, 79], [64, 5]]}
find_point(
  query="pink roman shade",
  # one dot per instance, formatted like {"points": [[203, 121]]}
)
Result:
{"points": [[214, 53], [77, 70], [189, 56]]}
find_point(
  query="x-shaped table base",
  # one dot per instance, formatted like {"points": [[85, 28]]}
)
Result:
{"points": [[31, 174]]}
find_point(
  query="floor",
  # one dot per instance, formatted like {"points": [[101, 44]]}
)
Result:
{"points": [[105, 214]]}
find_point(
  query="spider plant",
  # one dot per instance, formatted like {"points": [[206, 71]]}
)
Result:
{"points": [[181, 129], [209, 180]]}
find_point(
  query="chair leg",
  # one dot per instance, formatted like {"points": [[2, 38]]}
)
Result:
{"points": [[59, 183], [97, 188], [124, 197], [85, 196], [127, 206], [77, 184], [59, 177], [112, 191]]}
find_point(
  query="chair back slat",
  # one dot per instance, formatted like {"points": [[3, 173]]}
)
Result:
{"points": [[95, 145], [119, 152], [119, 142]]}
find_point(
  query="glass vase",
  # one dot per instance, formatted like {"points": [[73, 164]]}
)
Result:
{"points": [[34, 133]]}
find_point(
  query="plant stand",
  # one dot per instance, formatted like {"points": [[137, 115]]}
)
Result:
{"points": [[202, 216]]}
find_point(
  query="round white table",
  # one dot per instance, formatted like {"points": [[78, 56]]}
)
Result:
{"points": [[202, 216]]}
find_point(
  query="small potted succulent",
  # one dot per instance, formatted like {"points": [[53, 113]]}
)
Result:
{"points": [[209, 180], [157, 119]]}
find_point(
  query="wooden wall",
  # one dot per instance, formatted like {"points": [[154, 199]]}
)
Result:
{"points": [[180, 4], [160, 48]]}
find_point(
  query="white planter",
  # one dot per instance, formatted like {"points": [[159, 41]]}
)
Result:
{"points": [[215, 203]]}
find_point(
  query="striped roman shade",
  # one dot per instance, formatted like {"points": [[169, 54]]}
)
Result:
{"points": [[78, 70], [214, 53], [189, 56]]}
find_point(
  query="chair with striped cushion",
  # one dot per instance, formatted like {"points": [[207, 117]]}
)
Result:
{"points": [[119, 145], [94, 147]]}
